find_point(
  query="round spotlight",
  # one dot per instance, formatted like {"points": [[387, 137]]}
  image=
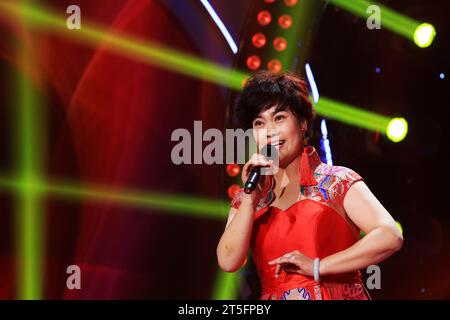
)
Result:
{"points": [[233, 190], [233, 169], [397, 129], [290, 3], [259, 40], [280, 44], [264, 18], [253, 62], [269, 1], [274, 65], [285, 21], [424, 35]]}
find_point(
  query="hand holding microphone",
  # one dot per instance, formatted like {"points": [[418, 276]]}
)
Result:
{"points": [[251, 173]]}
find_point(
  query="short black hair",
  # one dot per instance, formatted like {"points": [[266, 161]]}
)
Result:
{"points": [[265, 89]]}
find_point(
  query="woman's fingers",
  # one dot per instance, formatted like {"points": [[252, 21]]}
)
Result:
{"points": [[293, 262], [287, 267], [283, 260], [279, 262], [258, 160], [277, 270], [290, 268], [288, 255], [255, 160], [288, 262]]}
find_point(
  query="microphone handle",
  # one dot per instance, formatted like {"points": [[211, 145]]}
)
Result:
{"points": [[252, 180]]}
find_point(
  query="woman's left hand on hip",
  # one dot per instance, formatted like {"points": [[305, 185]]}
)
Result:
{"points": [[294, 262]]}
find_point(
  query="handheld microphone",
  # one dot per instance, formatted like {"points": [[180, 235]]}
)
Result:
{"points": [[253, 179], [270, 153]]}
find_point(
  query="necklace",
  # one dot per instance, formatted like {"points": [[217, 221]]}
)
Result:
{"points": [[271, 193]]}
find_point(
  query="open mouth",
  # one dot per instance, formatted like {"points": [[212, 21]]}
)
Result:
{"points": [[279, 144]]}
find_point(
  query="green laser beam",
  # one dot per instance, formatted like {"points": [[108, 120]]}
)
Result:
{"points": [[168, 58], [127, 45], [390, 19], [175, 204], [226, 285], [29, 220], [351, 115]]}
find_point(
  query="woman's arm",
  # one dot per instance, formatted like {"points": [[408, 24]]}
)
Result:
{"points": [[383, 238], [234, 243]]}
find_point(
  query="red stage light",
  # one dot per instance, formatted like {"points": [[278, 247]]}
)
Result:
{"points": [[233, 190], [233, 169], [290, 3], [280, 44], [269, 1], [259, 40], [264, 18], [274, 65], [285, 21], [253, 62]]}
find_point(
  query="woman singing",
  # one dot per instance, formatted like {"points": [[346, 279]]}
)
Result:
{"points": [[303, 222]]}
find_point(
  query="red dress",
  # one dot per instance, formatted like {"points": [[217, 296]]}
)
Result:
{"points": [[317, 226]]}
